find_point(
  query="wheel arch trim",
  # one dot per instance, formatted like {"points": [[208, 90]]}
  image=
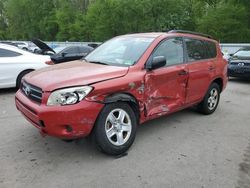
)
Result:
{"points": [[124, 97], [26, 70]]}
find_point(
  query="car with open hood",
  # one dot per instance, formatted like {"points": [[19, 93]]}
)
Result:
{"points": [[70, 53], [62, 54], [126, 81]]}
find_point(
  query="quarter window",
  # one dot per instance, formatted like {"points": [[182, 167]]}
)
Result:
{"points": [[172, 50], [8, 53]]}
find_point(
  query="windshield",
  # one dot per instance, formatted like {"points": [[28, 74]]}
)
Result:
{"points": [[242, 53], [59, 49], [121, 51]]}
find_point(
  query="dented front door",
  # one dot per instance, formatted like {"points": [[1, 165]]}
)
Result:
{"points": [[165, 88]]}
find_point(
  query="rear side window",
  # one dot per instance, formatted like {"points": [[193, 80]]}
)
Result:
{"points": [[196, 49], [199, 50], [8, 53], [172, 49]]}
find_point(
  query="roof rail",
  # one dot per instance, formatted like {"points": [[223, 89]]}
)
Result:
{"points": [[191, 32]]}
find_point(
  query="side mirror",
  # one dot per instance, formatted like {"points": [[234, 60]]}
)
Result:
{"points": [[157, 62]]}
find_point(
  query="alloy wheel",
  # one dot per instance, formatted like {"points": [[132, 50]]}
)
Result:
{"points": [[213, 99], [118, 127]]}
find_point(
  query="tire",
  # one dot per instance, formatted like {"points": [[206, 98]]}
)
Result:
{"points": [[68, 141], [114, 135], [211, 100], [20, 76]]}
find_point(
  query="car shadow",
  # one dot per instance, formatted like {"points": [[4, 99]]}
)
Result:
{"points": [[47, 149], [85, 149], [239, 80], [8, 91], [165, 122]]}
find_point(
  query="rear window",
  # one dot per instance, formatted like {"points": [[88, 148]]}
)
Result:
{"points": [[199, 49], [71, 50], [85, 49], [19, 43], [8, 53]]}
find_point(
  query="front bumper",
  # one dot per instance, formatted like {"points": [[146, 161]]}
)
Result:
{"points": [[238, 71], [65, 122]]}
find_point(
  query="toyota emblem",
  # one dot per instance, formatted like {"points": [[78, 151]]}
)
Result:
{"points": [[241, 64], [26, 90]]}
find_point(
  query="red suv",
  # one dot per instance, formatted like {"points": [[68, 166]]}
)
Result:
{"points": [[126, 81]]}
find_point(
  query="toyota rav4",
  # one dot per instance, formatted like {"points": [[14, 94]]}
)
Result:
{"points": [[126, 81]]}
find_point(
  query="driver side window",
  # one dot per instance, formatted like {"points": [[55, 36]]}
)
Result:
{"points": [[172, 50]]}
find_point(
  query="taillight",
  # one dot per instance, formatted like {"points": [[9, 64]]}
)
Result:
{"points": [[49, 62]]}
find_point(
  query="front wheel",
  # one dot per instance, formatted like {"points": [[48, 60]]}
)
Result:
{"points": [[115, 128], [211, 100]]}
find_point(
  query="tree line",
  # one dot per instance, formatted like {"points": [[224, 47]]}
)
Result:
{"points": [[99, 20]]}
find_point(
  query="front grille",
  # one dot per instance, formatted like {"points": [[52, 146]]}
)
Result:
{"points": [[27, 107], [240, 64], [32, 92]]}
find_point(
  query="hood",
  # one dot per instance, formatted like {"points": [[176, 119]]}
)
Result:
{"points": [[42, 45], [77, 73], [240, 58]]}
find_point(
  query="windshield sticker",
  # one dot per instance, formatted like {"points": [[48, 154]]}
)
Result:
{"points": [[128, 62]]}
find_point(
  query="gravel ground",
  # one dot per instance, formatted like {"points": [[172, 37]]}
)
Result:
{"points": [[185, 149]]}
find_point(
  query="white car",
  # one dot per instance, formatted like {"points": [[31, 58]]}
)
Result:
{"points": [[23, 45], [15, 63]]}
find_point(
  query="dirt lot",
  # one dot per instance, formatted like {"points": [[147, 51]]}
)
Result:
{"points": [[185, 149]]}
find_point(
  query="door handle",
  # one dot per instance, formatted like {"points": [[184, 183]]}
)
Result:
{"points": [[211, 68], [183, 73]]}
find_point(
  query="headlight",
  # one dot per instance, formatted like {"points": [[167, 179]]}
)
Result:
{"points": [[68, 96]]}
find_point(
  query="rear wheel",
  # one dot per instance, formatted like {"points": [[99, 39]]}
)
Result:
{"points": [[211, 100], [115, 128]]}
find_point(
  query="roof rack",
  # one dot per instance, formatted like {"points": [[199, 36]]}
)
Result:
{"points": [[191, 32]]}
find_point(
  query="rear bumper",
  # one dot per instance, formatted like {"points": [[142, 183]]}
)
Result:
{"points": [[65, 122]]}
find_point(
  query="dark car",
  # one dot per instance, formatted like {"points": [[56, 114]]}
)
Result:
{"points": [[70, 53], [62, 54], [239, 64]]}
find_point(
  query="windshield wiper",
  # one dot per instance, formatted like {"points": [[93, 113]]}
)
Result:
{"points": [[95, 62], [98, 62]]}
